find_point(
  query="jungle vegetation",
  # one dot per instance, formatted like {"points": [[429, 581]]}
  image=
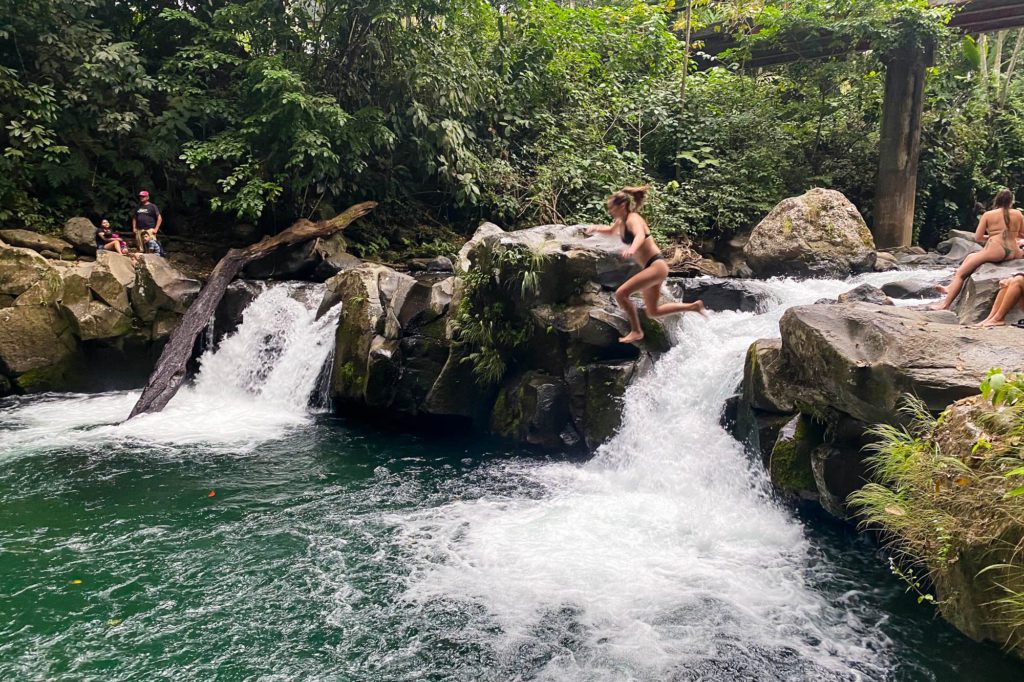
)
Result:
{"points": [[450, 112]]}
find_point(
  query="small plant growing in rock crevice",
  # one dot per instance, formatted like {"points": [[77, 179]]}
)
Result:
{"points": [[489, 322]]}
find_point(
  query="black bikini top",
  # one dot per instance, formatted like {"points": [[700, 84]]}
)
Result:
{"points": [[627, 234]]}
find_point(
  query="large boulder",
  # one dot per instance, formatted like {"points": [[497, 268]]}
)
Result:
{"points": [[38, 242], [81, 234], [766, 386], [860, 359], [595, 398], [958, 248], [161, 292], [26, 278], [36, 347], [789, 465], [365, 362], [817, 234], [980, 290], [90, 316]]}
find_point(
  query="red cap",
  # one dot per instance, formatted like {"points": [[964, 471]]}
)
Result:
{"points": [[143, 193]]}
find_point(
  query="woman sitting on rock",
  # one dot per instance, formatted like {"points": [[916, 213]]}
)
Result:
{"points": [[110, 241], [1011, 294], [998, 230], [632, 229]]}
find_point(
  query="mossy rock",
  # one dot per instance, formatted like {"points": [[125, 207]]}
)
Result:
{"points": [[790, 463]]}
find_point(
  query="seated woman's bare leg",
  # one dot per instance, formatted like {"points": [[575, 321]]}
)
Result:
{"points": [[970, 264], [1006, 301]]}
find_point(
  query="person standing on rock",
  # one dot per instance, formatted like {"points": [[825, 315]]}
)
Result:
{"points": [[631, 228], [146, 218], [998, 230]]}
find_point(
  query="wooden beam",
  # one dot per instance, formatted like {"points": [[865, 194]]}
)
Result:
{"points": [[900, 147]]}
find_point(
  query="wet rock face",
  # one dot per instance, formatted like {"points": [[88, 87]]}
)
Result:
{"points": [[865, 293], [721, 294], [38, 242], [81, 234], [56, 314], [400, 350], [817, 234]]}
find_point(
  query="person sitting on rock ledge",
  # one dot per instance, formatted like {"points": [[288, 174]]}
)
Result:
{"points": [[110, 241], [1011, 294], [998, 230], [630, 226]]}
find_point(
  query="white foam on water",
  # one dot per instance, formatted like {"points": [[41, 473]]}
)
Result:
{"points": [[666, 549], [255, 387]]}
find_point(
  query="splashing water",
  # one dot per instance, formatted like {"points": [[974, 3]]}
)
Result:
{"points": [[255, 386], [665, 554]]}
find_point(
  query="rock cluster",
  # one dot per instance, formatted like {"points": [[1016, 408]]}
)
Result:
{"points": [[53, 313], [401, 348]]}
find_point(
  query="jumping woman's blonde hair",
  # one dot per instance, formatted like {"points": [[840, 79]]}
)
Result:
{"points": [[632, 197], [1004, 200]]}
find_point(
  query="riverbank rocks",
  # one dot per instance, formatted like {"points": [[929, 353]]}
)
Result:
{"points": [[57, 316], [817, 234], [522, 343], [911, 288], [849, 366], [39, 242]]}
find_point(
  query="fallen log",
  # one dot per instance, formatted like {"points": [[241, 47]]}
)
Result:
{"points": [[169, 373]]}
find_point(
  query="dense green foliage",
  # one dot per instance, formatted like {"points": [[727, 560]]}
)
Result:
{"points": [[453, 111]]}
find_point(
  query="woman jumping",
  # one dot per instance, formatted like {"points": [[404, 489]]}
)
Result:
{"points": [[632, 229], [998, 230]]}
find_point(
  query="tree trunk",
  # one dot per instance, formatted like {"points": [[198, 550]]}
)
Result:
{"points": [[900, 147], [169, 373], [1011, 67]]}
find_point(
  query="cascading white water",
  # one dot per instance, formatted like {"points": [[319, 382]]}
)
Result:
{"points": [[254, 387], [665, 554]]}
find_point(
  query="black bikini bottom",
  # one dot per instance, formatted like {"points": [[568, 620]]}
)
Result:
{"points": [[653, 260]]}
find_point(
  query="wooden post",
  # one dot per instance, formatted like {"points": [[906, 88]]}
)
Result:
{"points": [[900, 146]]}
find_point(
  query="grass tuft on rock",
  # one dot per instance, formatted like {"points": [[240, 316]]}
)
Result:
{"points": [[948, 497]]}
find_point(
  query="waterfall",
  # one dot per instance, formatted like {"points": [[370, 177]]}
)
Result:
{"points": [[256, 385], [664, 557]]}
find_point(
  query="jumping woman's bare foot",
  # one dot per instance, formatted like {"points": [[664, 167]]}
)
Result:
{"points": [[632, 337]]}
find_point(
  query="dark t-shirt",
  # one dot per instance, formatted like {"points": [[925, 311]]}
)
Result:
{"points": [[145, 216]]}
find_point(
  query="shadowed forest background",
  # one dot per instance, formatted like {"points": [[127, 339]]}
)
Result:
{"points": [[240, 116]]}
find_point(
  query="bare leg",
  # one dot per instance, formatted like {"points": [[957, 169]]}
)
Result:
{"points": [[1013, 295], [995, 306], [970, 264], [646, 278], [653, 309]]}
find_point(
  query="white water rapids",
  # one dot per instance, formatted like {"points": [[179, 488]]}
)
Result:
{"points": [[663, 557], [254, 388], [666, 553]]}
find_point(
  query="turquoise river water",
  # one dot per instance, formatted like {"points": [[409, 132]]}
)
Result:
{"points": [[239, 535]]}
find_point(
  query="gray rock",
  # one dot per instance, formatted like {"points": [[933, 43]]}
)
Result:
{"points": [[161, 293], [789, 465], [90, 316], [435, 264], [38, 242], [533, 409], [81, 234], [722, 294], [332, 258], [861, 359], [36, 347], [910, 289], [595, 392], [765, 380], [958, 248], [886, 262], [485, 230], [837, 474], [927, 261], [819, 233], [980, 290], [865, 293], [237, 297], [26, 278]]}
